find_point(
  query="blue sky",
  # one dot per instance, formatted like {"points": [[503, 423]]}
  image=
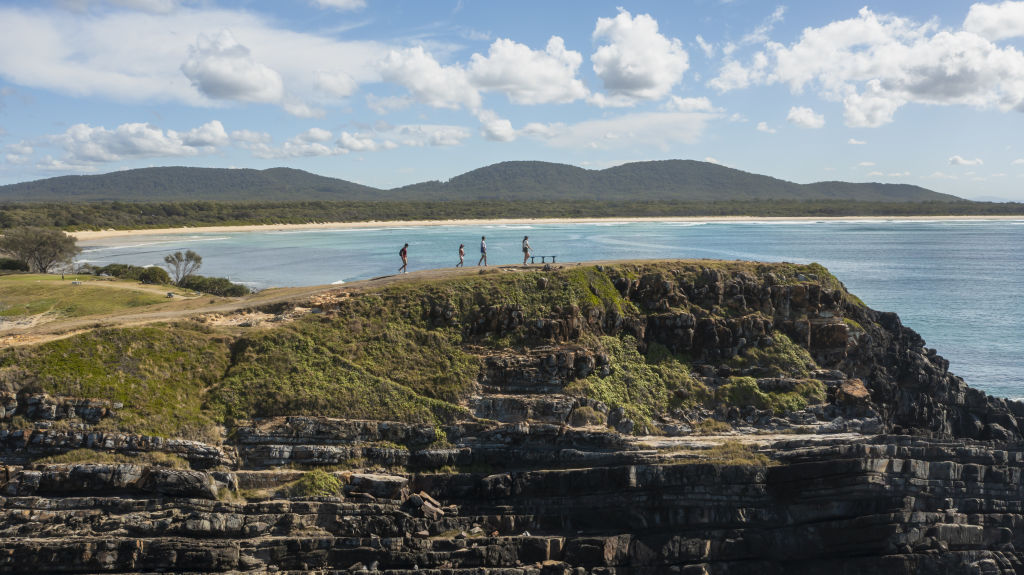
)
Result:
{"points": [[388, 93]]}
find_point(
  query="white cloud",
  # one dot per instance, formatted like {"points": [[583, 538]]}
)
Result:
{"points": [[942, 176], [866, 164], [874, 64], [345, 5], [386, 104], [336, 83], [496, 128], [959, 161], [898, 174], [222, 69], [314, 135], [872, 174], [735, 76], [154, 6], [79, 55], [760, 34], [86, 144], [210, 134], [428, 81], [712, 160], [303, 110], [856, 142], [357, 142], [529, 76], [19, 153], [250, 137], [51, 164], [706, 47], [805, 117], [659, 130], [1018, 162], [637, 62], [430, 135], [763, 127], [677, 104], [996, 21]]}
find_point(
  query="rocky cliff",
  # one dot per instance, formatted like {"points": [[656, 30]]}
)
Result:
{"points": [[651, 417]]}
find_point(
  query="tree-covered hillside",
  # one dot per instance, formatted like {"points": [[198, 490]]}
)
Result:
{"points": [[669, 180]]}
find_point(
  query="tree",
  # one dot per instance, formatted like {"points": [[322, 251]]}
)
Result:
{"points": [[39, 248], [183, 265], [154, 275]]}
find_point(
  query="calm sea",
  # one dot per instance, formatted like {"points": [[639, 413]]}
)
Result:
{"points": [[960, 284]]}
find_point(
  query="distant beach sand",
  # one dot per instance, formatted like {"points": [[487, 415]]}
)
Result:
{"points": [[101, 234]]}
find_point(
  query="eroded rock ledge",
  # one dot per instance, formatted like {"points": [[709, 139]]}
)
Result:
{"points": [[789, 429]]}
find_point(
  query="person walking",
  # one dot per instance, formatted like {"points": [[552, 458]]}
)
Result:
{"points": [[483, 251], [404, 254], [462, 256], [526, 248]]}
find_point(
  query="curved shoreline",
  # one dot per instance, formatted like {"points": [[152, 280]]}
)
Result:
{"points": [[111, 233]]}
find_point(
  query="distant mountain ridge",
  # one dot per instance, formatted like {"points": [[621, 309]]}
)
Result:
{"points": [[665, 180]]}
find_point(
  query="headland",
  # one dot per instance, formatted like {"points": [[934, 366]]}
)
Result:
{"points": [[622, 417]]}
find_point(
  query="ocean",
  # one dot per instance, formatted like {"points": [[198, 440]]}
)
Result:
{"points": [[959, 283]]}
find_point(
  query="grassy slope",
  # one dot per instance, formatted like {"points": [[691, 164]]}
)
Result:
{"points": [[31, 294], [385, 355]]}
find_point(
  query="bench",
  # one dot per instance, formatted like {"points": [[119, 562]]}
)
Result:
{"points": [[543, 259], [76, 282]]}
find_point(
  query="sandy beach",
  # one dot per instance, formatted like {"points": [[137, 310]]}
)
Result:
{"points": [[111, 233]]}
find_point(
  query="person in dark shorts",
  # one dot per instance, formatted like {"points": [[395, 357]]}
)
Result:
{"points": [[404, 254], [483, 251], [462, 256], [526, 248]]}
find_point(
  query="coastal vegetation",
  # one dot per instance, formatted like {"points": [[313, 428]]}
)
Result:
{"points": [[412, 352], [148, 215], [38, 248]]}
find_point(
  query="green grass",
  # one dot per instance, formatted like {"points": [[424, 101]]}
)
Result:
{"points": [[734, 453], [33, 294], [160, 373], [388, 355], [642, 390], [781, 359], [157, 458], [742, 391], [316, 483]]}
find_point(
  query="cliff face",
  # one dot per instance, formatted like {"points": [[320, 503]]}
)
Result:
{"points": [[691, 417]]}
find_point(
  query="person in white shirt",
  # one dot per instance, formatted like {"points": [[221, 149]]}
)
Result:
{"points": [[526, 248], [483, 251]]}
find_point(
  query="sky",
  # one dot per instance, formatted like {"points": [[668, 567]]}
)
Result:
{"points": [[393, 92]]}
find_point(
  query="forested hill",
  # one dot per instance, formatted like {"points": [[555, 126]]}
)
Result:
{"points": [[669, 180], [181, 184]]}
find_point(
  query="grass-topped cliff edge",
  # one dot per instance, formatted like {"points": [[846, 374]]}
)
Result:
{"points": [[644, 347]]}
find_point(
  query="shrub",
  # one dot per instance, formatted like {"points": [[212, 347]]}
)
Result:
{"points": [[214, 286], [154, 275], [742, 391], [13, 264], [316, 483], [712, 426], [586, 415], [146, 275]]}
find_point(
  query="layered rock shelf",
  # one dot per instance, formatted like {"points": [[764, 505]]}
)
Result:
{"points": [[793, 430]]}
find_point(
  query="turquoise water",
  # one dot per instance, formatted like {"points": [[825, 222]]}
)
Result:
{"points": [[959, 284]]}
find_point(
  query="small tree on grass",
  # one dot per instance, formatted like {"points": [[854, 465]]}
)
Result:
{"points": [[41, 249], [184, 265]]}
